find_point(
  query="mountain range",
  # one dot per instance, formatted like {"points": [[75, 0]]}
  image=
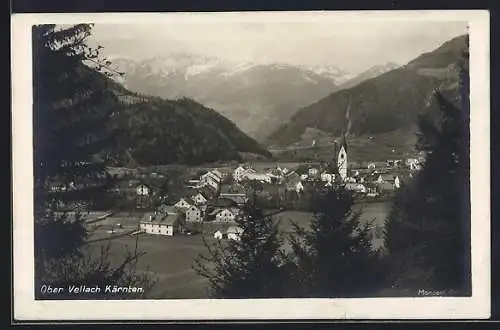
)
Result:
{"points": [[388, 102], [384, 101], [256, 97]]}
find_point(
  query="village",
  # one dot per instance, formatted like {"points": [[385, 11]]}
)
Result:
{"points": [[211, 202]]}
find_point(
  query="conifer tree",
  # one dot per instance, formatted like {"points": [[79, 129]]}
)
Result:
{"points": [[427, 235], [251, 267], [334, 257], [72, 109]]}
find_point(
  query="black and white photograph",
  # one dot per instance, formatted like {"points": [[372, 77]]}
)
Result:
{"points": [[279, 160]]}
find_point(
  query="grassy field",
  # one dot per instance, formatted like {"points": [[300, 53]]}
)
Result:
{"points": [[170, 259]]}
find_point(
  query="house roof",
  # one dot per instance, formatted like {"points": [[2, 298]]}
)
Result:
{"points": [[232, 189], [388, 177], [275, 172], [200, 193], [239, 199], [168, 219], [385, 185], [233, 210], [164, 208], [217, 172], [187, 200], [212, 174], [224, 202]]}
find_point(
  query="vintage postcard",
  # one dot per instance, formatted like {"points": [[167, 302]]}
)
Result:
{"points": [[243, 166]]}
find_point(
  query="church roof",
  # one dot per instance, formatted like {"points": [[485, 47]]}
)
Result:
{"points": [[343, 142]]}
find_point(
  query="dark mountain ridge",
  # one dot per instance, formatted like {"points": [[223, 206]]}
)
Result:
{"points": [[389, 102], [155, 131]]}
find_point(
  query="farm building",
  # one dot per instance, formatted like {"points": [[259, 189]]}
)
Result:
{"points": [[166, 225]]}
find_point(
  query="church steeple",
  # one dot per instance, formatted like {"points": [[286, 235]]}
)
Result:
{"points": [[343, 142], [342, 158]]}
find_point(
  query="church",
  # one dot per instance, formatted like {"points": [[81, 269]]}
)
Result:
{"points": [[339, 163]]}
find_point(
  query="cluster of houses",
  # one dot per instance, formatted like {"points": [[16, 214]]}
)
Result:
{"points": [[210, 201], [218, 195]]}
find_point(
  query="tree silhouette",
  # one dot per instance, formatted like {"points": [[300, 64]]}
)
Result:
{"points": [[334, 256], [428, 229], [72, 111], [251, 267]]}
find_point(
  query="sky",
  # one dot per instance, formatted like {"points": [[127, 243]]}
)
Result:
{"points": [[352, 45]]}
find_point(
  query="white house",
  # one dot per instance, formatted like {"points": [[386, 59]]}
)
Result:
{"points": [[234, 233], [218, 235], [199, 199], [194, 214], [313, 171], [412, 163], [238, 172], [357, 187], [215, 175], [160, 225], [184, 203], [303, 177], [209, 180], [142, 190], [327, 177], [226, 215], [371, 166], [299, 187], [262, 177]]}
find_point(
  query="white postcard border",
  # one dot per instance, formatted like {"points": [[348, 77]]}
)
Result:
{"points": [[26, 308]]}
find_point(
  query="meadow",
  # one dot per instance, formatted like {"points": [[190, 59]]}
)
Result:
{"points": [[170, 259]]}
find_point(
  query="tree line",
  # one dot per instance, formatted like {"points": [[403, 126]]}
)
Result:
{"points": [[427, 237]]}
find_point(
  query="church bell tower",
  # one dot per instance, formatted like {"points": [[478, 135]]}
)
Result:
{"points": [[342, 159]]}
